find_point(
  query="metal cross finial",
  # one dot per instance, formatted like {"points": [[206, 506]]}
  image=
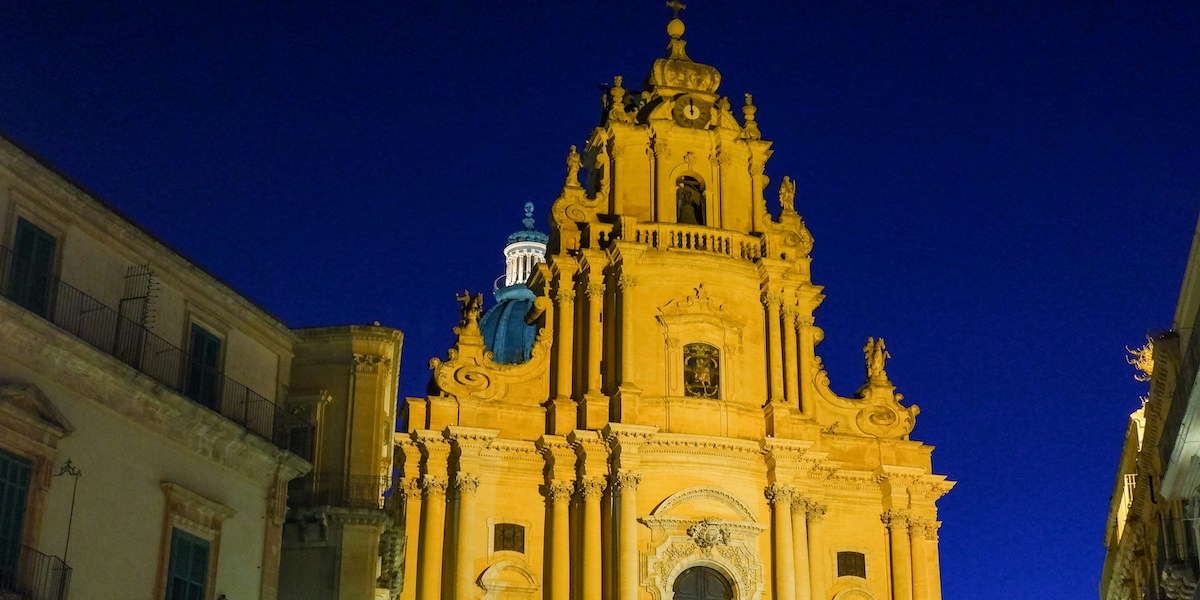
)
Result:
{"points": [[675, 6]]}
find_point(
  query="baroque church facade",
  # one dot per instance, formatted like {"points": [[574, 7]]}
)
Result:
{"points": [[646, 416]]}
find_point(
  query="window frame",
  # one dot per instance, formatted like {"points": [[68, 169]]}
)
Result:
{"points": [[197, 516]]}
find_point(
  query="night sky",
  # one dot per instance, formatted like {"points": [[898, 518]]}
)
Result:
{"points": [[1005, 191]]}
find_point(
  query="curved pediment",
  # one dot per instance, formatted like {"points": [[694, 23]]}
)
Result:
{"points": [[703, 500]]}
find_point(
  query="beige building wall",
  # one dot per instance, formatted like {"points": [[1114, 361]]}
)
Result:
{"points": [[150, 459]]}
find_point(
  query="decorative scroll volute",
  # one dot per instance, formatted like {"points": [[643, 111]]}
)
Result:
{"points": [[470, 372], [874, 411]]}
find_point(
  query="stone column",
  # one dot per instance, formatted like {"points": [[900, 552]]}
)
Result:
{"points": [[920, 559], [897, 524], [809, 335], [560, 555], [625, 484], [780, 497], [595, 336], [816, 550], [433, 522], [564, 353], [412, 525], [772, 301], [791, 363], [591, 576], [800, 547], [465, 485]]}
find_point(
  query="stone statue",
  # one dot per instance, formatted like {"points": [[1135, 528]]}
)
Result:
{"points": [[690, 202], [787, 195], [876, 352], [617, 110], [472, 307], [573, 163]]}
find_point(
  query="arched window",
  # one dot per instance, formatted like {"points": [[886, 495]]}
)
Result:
{"points": [[689, 200], [701, 371], [702, 583]]}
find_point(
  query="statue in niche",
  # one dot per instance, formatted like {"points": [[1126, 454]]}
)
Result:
{"points": [[689, 201], [876, 353], [701, 371]]}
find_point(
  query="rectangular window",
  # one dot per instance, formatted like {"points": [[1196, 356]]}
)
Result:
{"points": [[203, 367], [14, 493], [187, 572], [31, 271], [510, 536], [852, 564]]}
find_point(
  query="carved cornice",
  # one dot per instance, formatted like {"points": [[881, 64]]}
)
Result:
{"points": [[371, 363]]}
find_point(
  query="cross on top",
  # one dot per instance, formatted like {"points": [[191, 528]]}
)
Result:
{"points": [[675, 6]]}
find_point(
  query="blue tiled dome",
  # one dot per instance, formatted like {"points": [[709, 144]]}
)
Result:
{"points": [[505, 332]]}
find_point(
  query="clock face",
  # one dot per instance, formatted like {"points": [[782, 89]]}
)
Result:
{"points": [[690, 111]]}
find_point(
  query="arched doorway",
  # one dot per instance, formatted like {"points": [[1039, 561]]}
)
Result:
{"points": [[702, 583]]}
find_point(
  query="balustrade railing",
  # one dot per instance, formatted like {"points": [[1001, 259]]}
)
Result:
{"points": [[36, 576], [696, 238], [336, 489], [132, 343]]}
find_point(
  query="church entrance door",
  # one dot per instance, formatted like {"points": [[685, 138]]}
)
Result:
{"points": [[702, 583]]}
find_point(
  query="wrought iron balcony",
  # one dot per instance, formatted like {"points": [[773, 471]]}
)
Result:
{"points": [[133, 344], [35, 576], [337, 489]]}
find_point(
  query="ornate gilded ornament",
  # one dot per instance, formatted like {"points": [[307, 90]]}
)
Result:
{"points": [[708, 533], [701, 371]]}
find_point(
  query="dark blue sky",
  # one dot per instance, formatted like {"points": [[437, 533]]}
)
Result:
{"points": [[1006, 193]]}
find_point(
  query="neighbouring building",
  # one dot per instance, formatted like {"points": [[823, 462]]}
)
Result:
{"points": [[1153, 526], [152, 420], [646, 414]]}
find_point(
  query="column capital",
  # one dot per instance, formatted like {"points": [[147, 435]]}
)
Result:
{"points": [[466, 483], [564, 295], [410, 487], [779, 494], [921, 528], [626, 281], [895, 519], [432, 485], [590, 486], [626, 480], [595, 290], [559, 490]]}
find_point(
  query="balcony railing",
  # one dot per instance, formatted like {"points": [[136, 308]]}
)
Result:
{"points": [[130, 342], [697, 238], [335, 489], [36, 576]]}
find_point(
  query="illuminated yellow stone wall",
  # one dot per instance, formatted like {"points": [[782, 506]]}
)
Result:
{"points": [[614, 453]]}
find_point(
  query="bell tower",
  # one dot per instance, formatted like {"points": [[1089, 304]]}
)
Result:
{"points": [[670, 189]]}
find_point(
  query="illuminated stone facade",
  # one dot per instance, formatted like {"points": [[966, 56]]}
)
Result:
{"points": [[673, 433], [1153, 527]]}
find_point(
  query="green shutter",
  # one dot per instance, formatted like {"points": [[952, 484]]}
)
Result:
{"points": [[31, 274], [14, 493], [187, 571], [204, 367]]}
